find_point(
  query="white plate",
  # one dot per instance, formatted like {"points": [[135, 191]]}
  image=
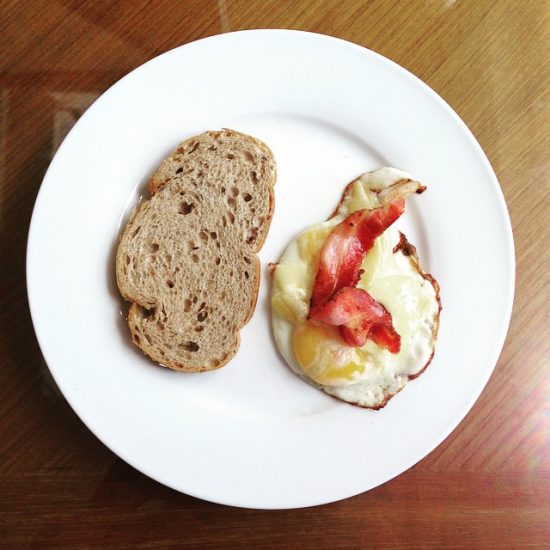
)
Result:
{"points": [[253, 434]]}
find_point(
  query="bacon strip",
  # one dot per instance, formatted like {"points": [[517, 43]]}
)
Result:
{"points": [[335, 300], [359, 317], [384, 336], [346, 246], [349, 305]]}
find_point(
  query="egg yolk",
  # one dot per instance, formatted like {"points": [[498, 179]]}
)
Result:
{"points": [[320, 353]]}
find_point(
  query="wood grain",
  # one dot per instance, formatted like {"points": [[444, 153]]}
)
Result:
{"points": [[486, 486]]}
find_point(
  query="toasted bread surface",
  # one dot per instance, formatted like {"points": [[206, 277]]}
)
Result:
{"points": [[187, 258]]}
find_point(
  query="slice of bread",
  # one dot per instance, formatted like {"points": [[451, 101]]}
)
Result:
{"points": [[187, 258]]}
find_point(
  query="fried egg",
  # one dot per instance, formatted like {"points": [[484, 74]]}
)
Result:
{"points": [[367, 376]]}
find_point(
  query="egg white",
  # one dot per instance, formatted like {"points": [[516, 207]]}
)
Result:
{"points": [[391, 278]]}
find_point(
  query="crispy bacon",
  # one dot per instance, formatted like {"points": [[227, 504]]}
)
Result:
{"points": [[335, 300], [386, 337], [404, 246], [346, 246], [359, 317]]}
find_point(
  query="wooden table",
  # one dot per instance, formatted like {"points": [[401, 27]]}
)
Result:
{"points": [[487, 485]]}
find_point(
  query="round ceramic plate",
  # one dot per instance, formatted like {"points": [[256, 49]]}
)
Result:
{"points": [[253, 434]]}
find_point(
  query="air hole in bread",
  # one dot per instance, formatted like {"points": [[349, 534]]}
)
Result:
{"points": [[234, 191], [176, 269], [247, 197], [191, 346], [127, 260], [185, 208], [195, 258], [249, 156], [222, 190], [223, 317], [202, 306], [202, 316], [203, 236], [192, 147], [230, 156], [231, 203], [199, 328], [170, 284], [212, 148], [231, 217], [136, 338], [195, 299], [218, 260], [224, 221], [187, 305], [214, 235], [231, 273], [214, 363], [254, 176], [136, 231], [168, 257], [247, 260], [218, 245], [154, 247], [252, 235], [179, 170], [246, 274]]}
